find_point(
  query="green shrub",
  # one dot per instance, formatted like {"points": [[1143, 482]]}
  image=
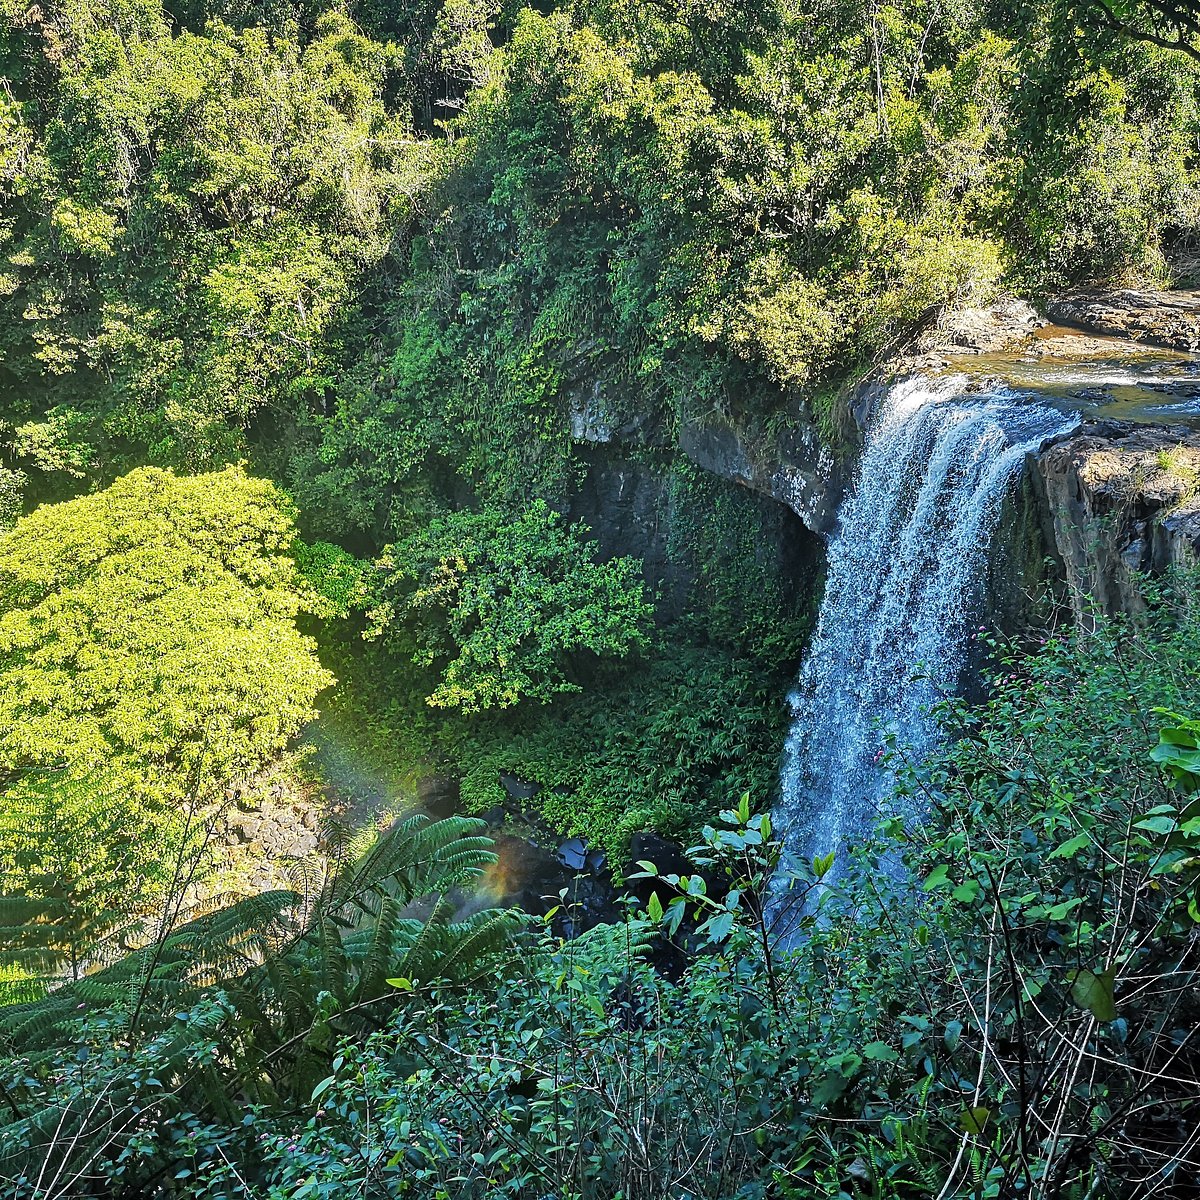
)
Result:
{"points": [[506, 608]]}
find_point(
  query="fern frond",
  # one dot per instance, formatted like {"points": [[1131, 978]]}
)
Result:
{"points": [[475, 944]]}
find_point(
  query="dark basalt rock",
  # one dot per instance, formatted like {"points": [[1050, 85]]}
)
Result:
{"points": [[667, 856], [572, 854], [439, 795], [537, 880], [495, 816], [789, 463], [635, 507], [626, 503], [517, 788]]}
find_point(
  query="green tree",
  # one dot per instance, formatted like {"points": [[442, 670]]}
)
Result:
{"points": [[507, 608], [1172, 24], [150, 629], [186, 216]]}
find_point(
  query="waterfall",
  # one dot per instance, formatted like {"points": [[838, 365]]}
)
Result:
{"points": [[904, 591]]}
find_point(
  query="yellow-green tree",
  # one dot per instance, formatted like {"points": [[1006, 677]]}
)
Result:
{"points": [[147, 634], [151, 624]]}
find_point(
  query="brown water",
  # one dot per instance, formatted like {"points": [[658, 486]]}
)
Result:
{"points": [[1099, 378]]}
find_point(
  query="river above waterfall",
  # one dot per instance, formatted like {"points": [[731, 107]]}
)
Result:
{"points": [[903, 595], [1098, 378]]}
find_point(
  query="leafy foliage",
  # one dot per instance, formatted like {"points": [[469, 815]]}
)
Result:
{"points": [[417, 261], [150, 660], [151, 626], [341, 583], [506, 605], [1178, 750], [658, 745], [660, 224], [591, 1072], [186, 217], [241, 1004], [80, 873], [1172, 24], [395, 256], [760, 608], [1062, 872], [1017, 1023]]}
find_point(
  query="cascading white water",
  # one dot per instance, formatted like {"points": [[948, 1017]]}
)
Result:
{"points": [[904, 584]]}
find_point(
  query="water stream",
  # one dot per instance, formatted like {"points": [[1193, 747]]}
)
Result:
{"points": [[903, 595]]}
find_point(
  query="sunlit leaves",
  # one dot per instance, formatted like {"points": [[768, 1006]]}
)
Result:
{"points": [[150, 627], [501, 605], [192, 208]]}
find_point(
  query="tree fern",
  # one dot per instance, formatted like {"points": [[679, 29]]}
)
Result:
{"points": [[76, 878], [279, 976], [360, 934]]}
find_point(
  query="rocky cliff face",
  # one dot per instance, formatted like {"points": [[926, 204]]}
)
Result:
{"points": [[1118, 500], [1108, 502], [633, 493], [789, 464]]}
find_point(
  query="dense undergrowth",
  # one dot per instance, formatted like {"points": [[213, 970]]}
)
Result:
{"points": [[1015, 1016], [649, 747]]}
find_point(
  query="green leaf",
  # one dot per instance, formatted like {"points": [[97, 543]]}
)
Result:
{"points": [[974, 1120], [654, 909], [879, 1052], [830, 1088], [720, 927], [938, 877], [1163, 825], [1059, 911], [822, 863], [1071, 847], [1094, 991]]}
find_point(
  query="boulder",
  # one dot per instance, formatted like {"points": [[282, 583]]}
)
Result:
{"points": [[626, 502], [439, 795], [532, 878], [982, 330], [573, 854], [518, 789]]}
